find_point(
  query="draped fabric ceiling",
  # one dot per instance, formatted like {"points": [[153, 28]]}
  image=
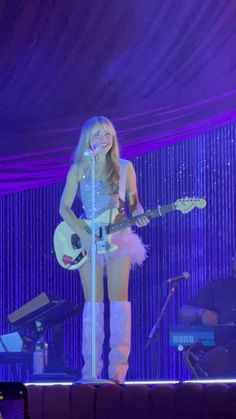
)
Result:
{"points": [[162, 70]]}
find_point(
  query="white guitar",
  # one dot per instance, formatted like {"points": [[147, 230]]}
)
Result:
{"points": [[67, 244]]}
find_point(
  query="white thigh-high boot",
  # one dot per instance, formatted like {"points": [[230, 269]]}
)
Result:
{"points": [[120, 339], [87, 338]]}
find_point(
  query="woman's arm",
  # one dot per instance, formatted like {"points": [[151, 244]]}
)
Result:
{"points": [[132, 194], [67, 200], [191, 314]]}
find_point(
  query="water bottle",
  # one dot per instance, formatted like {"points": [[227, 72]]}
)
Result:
{"points": [[40, 356], [45, 354]]}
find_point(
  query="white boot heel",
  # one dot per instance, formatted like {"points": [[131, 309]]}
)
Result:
{"points": [[120, 340]]}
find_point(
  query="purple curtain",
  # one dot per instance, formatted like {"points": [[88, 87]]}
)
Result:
{"points": [[163, 71]]}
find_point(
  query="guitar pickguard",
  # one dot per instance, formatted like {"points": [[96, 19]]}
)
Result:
{"points": [[105, 245]]}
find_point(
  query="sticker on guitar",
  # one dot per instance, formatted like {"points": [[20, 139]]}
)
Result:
{"points": [[67, 244]]}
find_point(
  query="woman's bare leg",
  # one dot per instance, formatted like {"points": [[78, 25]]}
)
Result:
{"points": [[85, 276], [118, 279]]}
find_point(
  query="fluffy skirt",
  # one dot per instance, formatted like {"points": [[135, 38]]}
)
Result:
{"points": [[129, 244]]}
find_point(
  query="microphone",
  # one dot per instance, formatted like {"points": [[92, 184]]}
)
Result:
{"points": [[184, 275], [92, 151]]}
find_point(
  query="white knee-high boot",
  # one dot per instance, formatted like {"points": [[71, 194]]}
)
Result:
{"points": [[120, 339], [87, 338]]}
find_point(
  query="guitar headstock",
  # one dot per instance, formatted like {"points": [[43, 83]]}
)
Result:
{"points": [[186, 205]]}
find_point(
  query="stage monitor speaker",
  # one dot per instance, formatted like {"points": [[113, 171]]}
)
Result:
{"points": [[42, 312], [11, 342], [38, 303]]}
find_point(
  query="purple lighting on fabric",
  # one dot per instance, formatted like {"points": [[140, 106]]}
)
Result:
{"points": [[166, 67], [19, 172], [157, 85], [160, 112]]}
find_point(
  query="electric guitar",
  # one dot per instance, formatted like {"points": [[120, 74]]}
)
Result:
{"points": [[67, 244]]}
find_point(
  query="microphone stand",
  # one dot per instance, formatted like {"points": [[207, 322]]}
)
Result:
{"points": [[94, 379], [156, 328]]}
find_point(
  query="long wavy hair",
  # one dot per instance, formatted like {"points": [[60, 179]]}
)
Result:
{"points": [[112, 174]]}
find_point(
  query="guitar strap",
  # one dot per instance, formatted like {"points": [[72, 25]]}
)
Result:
{"points": [[122, 185], [121, 206], [122, 190], [110, 216]]}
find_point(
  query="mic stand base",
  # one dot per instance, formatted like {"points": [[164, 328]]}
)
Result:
{"points": [[94, 381]]}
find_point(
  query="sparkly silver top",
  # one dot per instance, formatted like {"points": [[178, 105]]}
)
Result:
{"points": [[103, 200]]}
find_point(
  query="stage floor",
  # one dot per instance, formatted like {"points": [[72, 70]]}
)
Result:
{"points": [[148, 383]]}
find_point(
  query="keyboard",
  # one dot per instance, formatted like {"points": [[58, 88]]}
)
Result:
{"points": [[211, 336]]}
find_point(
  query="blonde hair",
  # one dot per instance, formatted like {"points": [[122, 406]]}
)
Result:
{"points": [[112, 175]]}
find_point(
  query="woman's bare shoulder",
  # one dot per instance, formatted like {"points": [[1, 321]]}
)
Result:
{"points": [[126, 165], [75, 173], [124, 162]]}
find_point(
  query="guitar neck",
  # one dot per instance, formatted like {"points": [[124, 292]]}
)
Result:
{"points": [[159, 212]]}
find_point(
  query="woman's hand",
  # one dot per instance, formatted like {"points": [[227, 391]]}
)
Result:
{"points": [[142, 221], [86, 239], [208, 317]]}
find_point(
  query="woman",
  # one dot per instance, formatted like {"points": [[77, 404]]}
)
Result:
{"points": [[115, 180]]}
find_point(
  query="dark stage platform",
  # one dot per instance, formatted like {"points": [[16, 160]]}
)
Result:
{"points": [[170, 400]]}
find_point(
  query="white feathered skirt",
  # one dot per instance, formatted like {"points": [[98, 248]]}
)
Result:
{"points": [[129, 245]]}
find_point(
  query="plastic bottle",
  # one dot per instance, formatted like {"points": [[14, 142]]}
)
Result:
{"points": [[40, 356], [45, 354]]}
